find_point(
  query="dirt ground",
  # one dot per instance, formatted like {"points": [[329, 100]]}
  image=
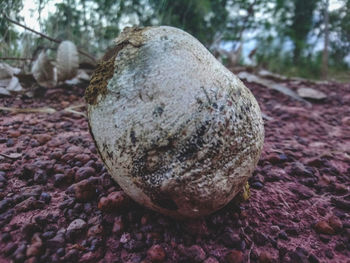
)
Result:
{"points": [[59, 204]]}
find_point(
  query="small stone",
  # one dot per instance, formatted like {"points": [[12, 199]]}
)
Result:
{"points": [[2, 179], [274, 229], [275, 158], [156, 253], [234, 256], [195, 253], [36, 246], [15, 134], [10, 142], [48, 234], [257, 185], [42, 138], [83, 158], [60, 252], [45, 197], [77, 224], [95, 230], [114, 202], [324, 228], [34, 191], [118, 225], [265, 257], [68, 203], [335, 223], [56, 242], [84, 191], [84, 173], [62, 179], [29, 204], [283, 235], [5, 204], [40, 177]]}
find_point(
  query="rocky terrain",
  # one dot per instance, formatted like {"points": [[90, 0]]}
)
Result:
{"points": [[59, 204]]}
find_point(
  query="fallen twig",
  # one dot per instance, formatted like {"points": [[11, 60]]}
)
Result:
{"points": [[45, 36], [29, 110], [49, 110], [71, 110], [12, 156], [14, 58]]}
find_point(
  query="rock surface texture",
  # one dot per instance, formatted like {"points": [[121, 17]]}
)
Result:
{"points": [[179, 132]]}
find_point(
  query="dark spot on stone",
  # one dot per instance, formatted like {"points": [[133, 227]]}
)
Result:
{"points": [[132, 137], [102, 74], [199, 101], [158, 111], [110, 154], [215, 106]]}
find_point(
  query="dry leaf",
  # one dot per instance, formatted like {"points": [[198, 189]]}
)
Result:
{"points": [[6, 71], [67, 61], [309, 93], [43, 71], [12, 155], [29, 110], [271, 85], [14, 85], [4, 92]]}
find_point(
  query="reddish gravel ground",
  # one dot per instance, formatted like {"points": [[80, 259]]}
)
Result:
{"points": [[59, 204]]}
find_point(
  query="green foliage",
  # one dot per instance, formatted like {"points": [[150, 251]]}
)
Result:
{"points": [[201, 18], [8, 35], [282, 28], [340, 27]]}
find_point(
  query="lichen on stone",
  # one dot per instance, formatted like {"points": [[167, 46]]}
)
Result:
{"points": [[105, 68], [101, 76]]}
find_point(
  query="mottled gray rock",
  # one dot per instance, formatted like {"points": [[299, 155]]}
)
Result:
{"points": [[179, 132]]}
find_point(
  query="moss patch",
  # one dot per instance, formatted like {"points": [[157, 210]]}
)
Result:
{"points": [[102, 74], [105, 68]]}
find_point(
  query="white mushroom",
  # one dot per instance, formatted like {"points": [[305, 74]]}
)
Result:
{"points": [[179, 132]]}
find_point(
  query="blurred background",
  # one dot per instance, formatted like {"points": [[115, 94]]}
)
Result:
{"points": [[305, 38]]}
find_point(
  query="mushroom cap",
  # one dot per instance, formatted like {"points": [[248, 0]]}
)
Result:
{"points": [[179, 132]]}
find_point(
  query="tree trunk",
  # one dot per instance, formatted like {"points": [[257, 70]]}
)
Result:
{"points": [[326, 41]]}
